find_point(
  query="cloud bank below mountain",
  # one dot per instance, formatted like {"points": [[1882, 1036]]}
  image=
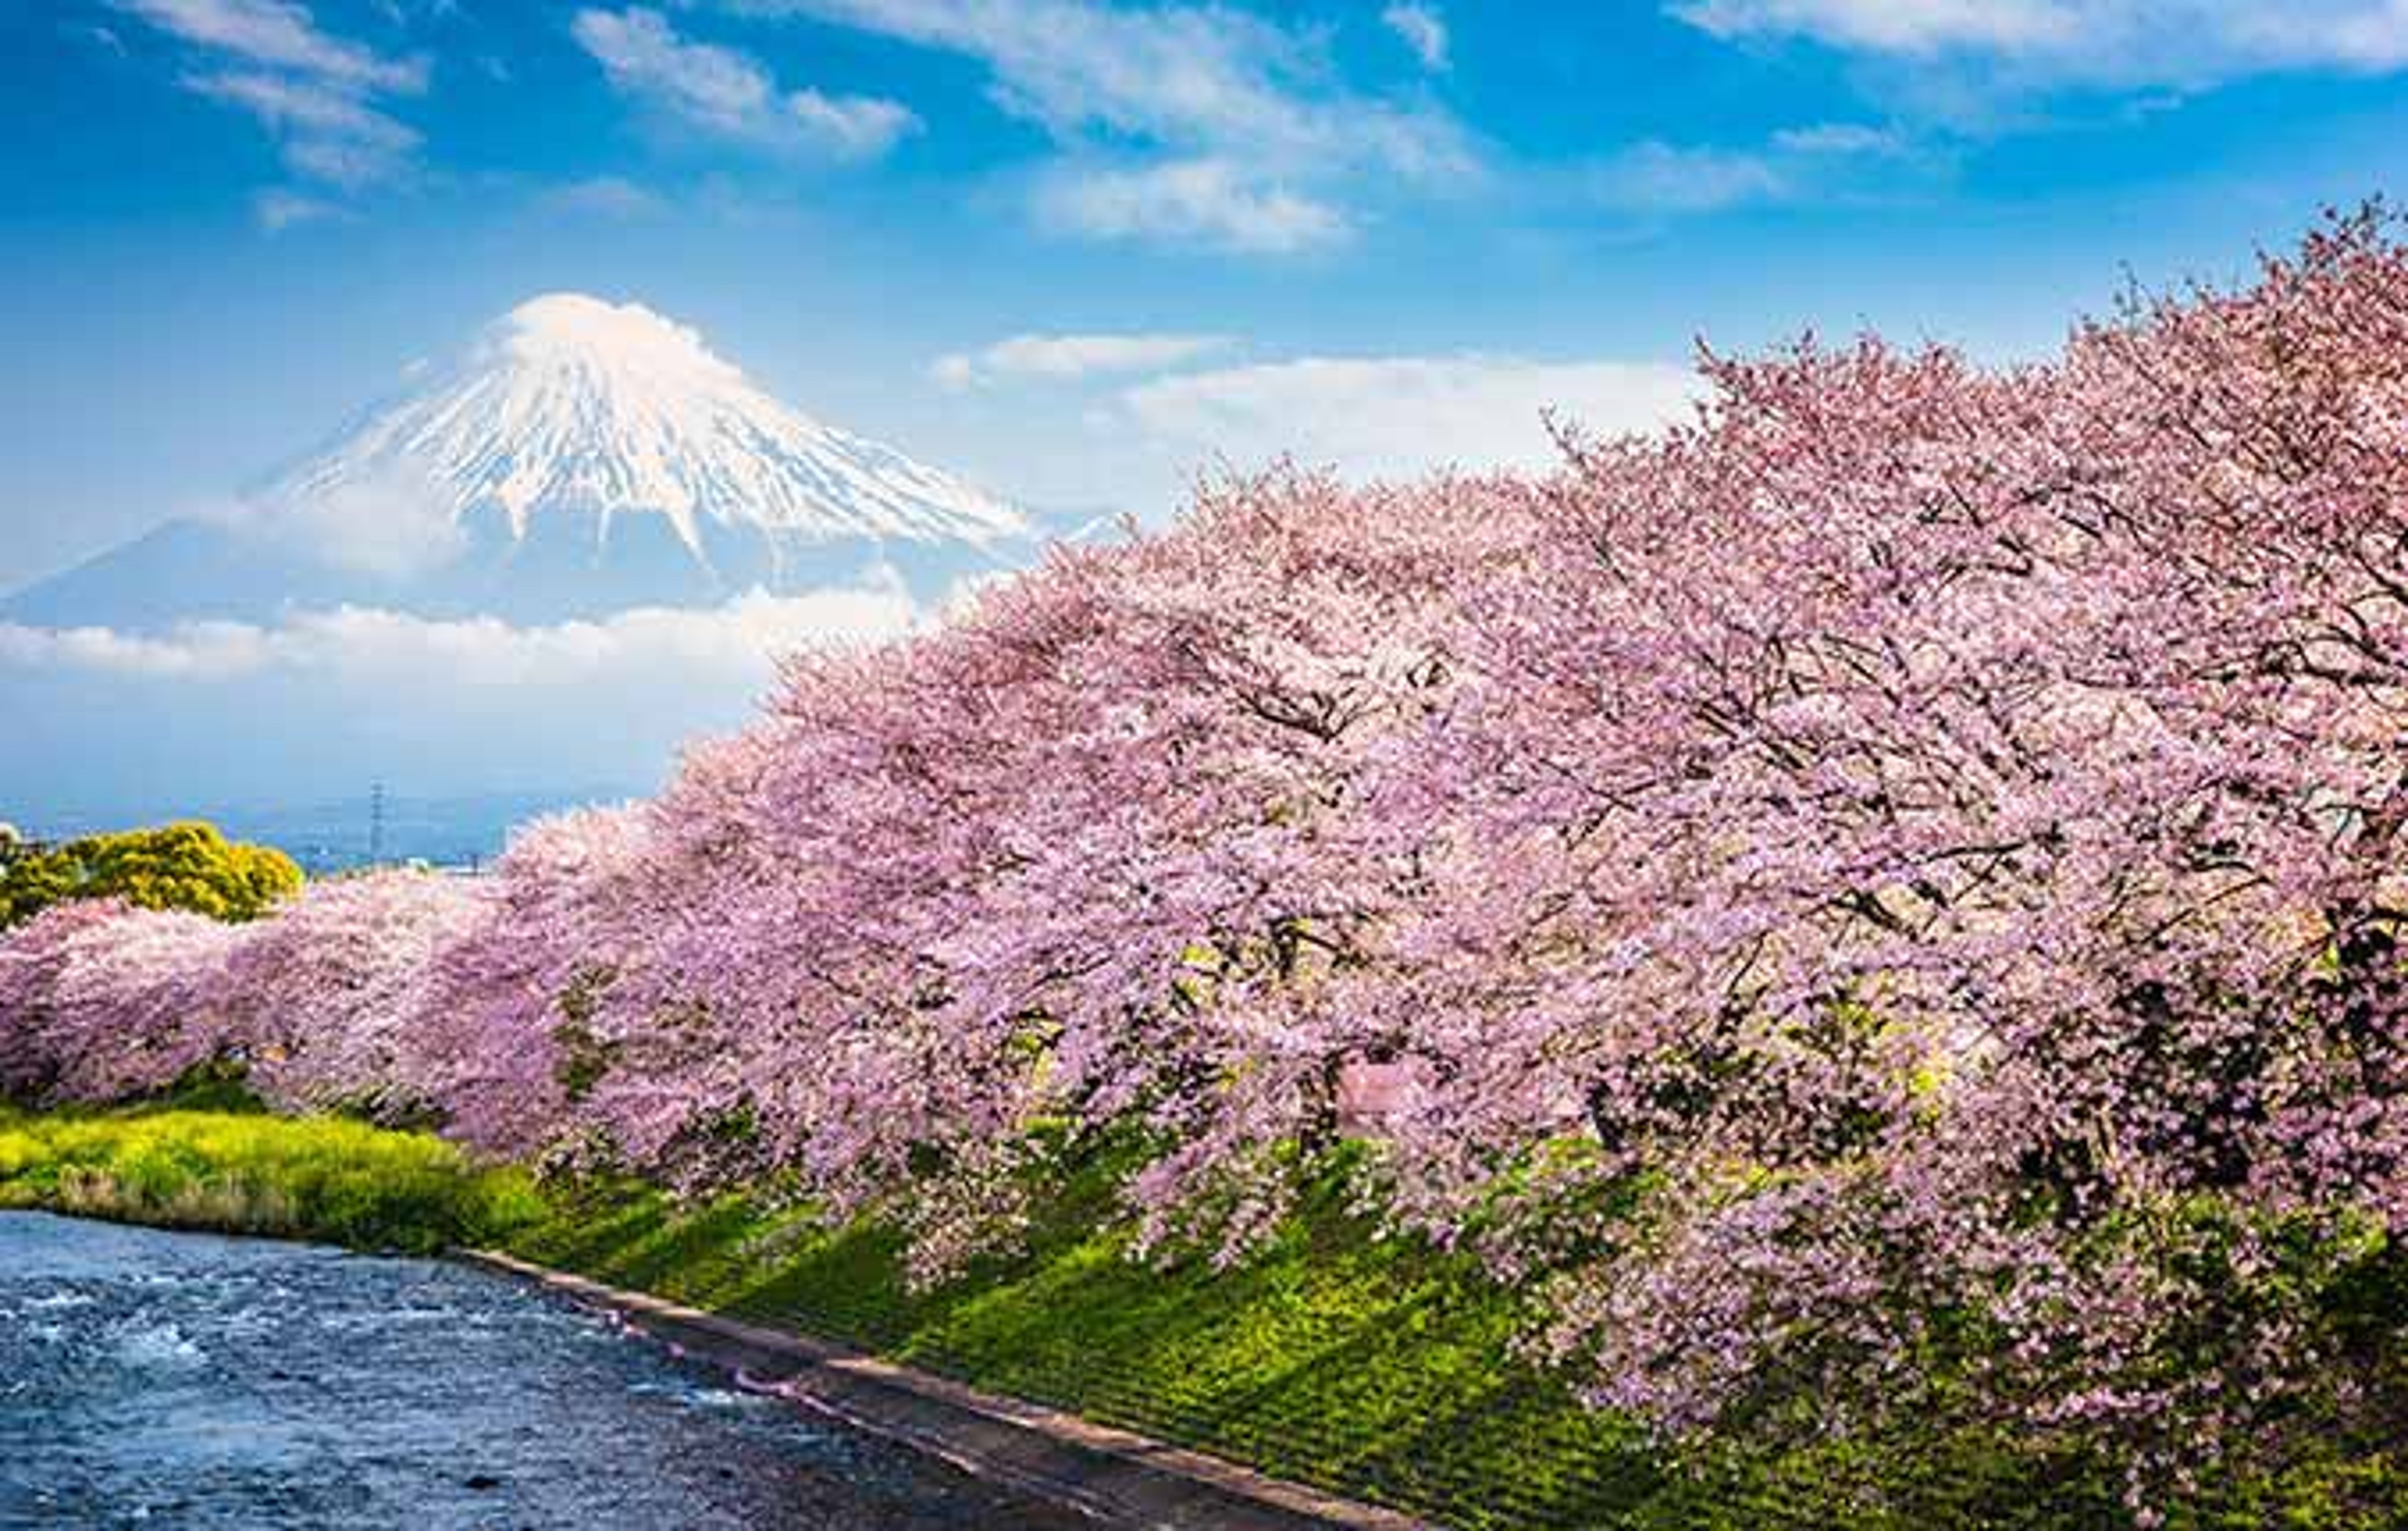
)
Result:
{"points": [[737, 640], [324, 703]]}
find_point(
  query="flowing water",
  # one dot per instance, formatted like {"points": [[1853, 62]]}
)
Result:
{"points": [[164, 1380]]}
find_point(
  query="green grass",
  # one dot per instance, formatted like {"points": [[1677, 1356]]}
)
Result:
{"points": [[1376, 1368], [1381, 1369], [321, 1177]]}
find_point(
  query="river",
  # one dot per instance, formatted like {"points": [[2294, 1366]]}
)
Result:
{"points": [[160, 1380]]}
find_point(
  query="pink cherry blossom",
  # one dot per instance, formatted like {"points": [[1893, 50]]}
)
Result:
{"points": [[1915, 853]]}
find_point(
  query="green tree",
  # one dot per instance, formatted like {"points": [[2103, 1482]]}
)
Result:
{"points": [[187, 865]]}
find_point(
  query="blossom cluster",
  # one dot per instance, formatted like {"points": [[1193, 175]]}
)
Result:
{"points": [[1888, 894]]}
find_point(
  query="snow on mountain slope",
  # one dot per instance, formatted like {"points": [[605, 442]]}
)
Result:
{"points": [[582, 458], [572, 404], [589, 539]]}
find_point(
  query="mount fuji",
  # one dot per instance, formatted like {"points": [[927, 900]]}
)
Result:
{"points": [[582, 458]]}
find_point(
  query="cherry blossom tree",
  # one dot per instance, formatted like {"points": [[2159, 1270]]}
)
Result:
{"points": [[331, 998], [1933, 831], [100, 1000], [502, 1043], [1880, 902]]}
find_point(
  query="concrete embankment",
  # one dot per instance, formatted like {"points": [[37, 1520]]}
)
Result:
{"points": [[1120, 1478]]}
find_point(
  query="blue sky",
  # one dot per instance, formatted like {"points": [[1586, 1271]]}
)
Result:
{"points": [[1074, 247]]}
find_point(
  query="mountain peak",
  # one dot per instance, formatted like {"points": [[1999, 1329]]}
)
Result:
{"points": [[579, 458], [578, 327], [572, 406]]}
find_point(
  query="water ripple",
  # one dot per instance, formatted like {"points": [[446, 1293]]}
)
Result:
{"points": [[156, 1380]]}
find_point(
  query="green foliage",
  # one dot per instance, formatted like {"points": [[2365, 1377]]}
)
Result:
{"points": [[1374, 1366], [221, 1085], [1383, 1368], [188, 865], [321, 1177], [1378, 1368]]}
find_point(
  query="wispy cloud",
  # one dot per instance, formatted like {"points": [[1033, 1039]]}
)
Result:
{"points": [[1063, 357], [729, 93], [1842, 138], [1657, 176], [319, 95], [1423, 29], [1178, 123], [1820, 162], [2040, 44], [1394, 416], [324, 133], [1220, 203], [279, 209], [715, 88], [858, 127], [391, 522], [275, 35]]}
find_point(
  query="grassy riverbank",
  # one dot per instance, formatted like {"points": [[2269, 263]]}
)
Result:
{"points": [[1376, 1368], [236, 1171]]}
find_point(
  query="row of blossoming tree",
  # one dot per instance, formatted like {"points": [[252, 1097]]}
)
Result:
{"points": [[1886, 894]]}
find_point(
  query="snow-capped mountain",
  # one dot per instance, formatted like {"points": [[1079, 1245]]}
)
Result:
{"points": [[573, 405], [580, 458]]}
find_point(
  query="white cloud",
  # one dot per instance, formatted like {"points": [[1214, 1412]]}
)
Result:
{"points": [[314, 93], [1178, 121], [1820, 162], [274, 35], [1840, 139], [1886, 25], [1423, 30], [642, 55], [279, 209], [389, 522], [729, 92], [1393, 417], [855, 126], [1658, 177], [199, 648], [2084, 42], [1189, 75], [326, 134], [1072, 356], [1207, 201], [955, 370], [737, 641]]}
